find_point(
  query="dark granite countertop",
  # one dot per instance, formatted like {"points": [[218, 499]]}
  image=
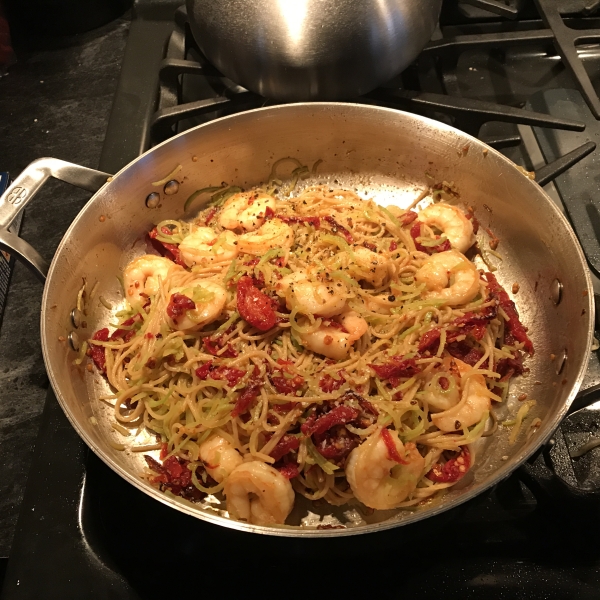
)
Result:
{"points": [[55, 101]]}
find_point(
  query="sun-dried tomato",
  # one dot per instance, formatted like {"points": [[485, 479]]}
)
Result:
{"points": [[98, 353], [246, 397], [391, 447], [407, 218], [328, 384], [287, 386], [179, 305], [289, 470], [175, 476], [337, 416], [397, 367], [466, 353], [415, 232], [507, 367], [126, 334], [314, 221], [513, 325], [285, 445], [230, 374], [170, 251], [452, 470], [210, 215], [254, 306], [337, 228], [214, 344], [429, 340], [335, 444]]}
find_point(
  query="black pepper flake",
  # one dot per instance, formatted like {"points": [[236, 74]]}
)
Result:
{"points": [[392, 298]]}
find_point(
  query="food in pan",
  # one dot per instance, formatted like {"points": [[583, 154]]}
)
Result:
{"points": [[319, 345]]}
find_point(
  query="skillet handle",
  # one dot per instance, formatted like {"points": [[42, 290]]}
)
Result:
{"points": [[24, 188]]}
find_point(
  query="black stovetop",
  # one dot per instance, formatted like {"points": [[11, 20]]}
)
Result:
{"points": [[85, 533]]}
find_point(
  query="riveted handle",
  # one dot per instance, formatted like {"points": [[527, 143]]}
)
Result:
{"points": [[25, 187]]}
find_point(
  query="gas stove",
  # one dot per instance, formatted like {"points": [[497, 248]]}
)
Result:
{"points": [[507, 72]]}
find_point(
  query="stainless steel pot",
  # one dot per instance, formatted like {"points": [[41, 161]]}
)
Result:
{"points": [[387, 154], [293, 50]]}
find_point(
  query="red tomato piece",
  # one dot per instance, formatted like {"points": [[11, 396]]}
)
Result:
{"points": [[514, 325], [429, 340], [329, 384], [245, 399], [391, 447], [397, 367], [407, 218], [254, 306], [98, 353], [289, 470], [178, 305], [453, 470], [337, 228], [337, 416], [286, 444]]}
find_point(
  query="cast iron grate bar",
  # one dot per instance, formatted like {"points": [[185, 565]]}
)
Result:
{"points": [[495, 6], [470, 114], [164, 119], [565, 40], [560, 165]]}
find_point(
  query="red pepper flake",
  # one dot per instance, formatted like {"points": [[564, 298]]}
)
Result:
{"points": [[393, 245], [369, 246], [254, 306], [391, 447], [178, 305], [453, 470], [514, 325]]}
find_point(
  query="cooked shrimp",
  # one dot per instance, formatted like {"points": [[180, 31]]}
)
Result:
{"points": [[449, 276], [333, 342], [370, 266], [324, 298], [258, 494], [246, 211], [452, 222], [204, 246], [273, 234], [219, 457], [376, 479], [141, 276], [474, 402], [209, 298]]}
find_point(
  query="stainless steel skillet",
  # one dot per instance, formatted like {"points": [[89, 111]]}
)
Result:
{"points": [[384, 154]]}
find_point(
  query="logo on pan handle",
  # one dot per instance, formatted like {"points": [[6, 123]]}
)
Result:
{"points": [[17, 195]]}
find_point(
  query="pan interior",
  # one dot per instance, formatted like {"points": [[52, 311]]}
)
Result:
{"points": [[386, 155]]}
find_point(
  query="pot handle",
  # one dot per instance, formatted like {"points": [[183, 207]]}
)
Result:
{"points": [[24, 188]]}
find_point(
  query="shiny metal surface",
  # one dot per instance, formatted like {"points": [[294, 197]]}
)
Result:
{"points": [[384, 154], [293, 50], [25, 187]]}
